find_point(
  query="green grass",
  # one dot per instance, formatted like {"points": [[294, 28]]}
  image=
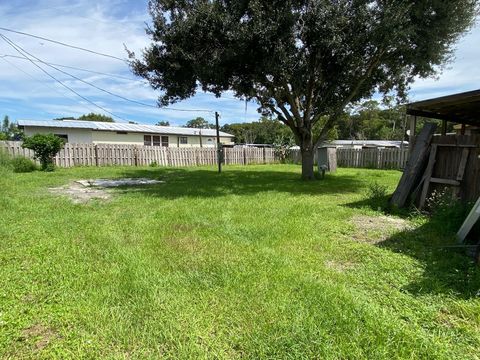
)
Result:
{"points": [[252, 263]]}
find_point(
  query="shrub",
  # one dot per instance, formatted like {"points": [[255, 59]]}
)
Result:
{"points": [[21, 164], [45, 147], [153, 164], [446, 208], [377, 194]]}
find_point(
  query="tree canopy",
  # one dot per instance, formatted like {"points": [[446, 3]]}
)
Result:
{"points": [[96, 117], [303, 61], [264, 131], [10, 130], [163, 123], [199, 123]]}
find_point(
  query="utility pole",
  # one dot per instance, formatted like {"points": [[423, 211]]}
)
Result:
{"points": [[201, 144], [219, 145]]}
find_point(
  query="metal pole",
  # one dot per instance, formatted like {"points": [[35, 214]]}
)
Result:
{"points": [[219, 150]]}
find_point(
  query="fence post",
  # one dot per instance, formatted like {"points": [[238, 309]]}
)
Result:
{"points": [[96, 154]]}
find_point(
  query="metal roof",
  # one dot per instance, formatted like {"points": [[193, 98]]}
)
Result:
{"points": [[462, 108], [107, 126], [377, 143]]}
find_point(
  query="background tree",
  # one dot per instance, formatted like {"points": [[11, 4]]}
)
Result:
{"points": [[45, 147], [163, 123], [96, 117], [10, 130], [264, 131], [304, 61], [199, 123]]}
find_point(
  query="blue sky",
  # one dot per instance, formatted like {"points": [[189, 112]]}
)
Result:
{"points": [[105, 26]]}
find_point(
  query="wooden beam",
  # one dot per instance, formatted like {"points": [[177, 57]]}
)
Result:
{"points": [[445, 181], [414, 169], [456, 118], [463, 164], [444, 127], [469, 222], [413, 126], [428, 176]]}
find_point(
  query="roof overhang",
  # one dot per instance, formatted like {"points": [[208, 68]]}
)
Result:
{"points": [[462, 108]]}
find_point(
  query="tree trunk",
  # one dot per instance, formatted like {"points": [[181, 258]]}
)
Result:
{"points": [[306, 148]]}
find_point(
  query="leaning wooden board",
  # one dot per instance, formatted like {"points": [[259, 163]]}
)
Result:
{"points": [[415, 166], [469, 222]]}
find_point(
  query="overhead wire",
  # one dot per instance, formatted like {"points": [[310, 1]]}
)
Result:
{"points": [[12, 44], [93, 85], [42, 82], [64, 44], [79, 69]]}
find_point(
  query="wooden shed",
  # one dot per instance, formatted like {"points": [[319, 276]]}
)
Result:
{"points": [[443, 160]]}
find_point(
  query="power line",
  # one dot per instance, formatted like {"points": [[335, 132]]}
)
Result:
{"points": [[93, 85], [64, 44], [42, 82], [77, 68], [9, 42]]}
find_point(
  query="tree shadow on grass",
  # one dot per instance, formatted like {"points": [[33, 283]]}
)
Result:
{"points": [[448, 269], [180, 182]]}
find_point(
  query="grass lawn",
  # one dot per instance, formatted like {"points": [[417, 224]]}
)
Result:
{"points": [[252, 263]]}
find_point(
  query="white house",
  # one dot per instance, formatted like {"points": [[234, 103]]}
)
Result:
{"points": [[87, 132]]}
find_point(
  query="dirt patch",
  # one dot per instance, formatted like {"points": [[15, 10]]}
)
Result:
{"points": [[339, 266], [374, 229], [40, 334], [80, 194], [82, 191], [106, 183]]}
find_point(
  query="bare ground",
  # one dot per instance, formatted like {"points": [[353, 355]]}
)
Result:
{"points": [[375, 229]]}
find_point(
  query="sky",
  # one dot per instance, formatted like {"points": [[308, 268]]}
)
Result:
{"points": [[108, 26]]}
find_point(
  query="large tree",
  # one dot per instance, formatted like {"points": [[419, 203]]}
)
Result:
{"points": [[303, 61]]}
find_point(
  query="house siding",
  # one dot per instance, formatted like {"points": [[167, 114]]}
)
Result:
{"points": [[88, 136], [75, 136]]}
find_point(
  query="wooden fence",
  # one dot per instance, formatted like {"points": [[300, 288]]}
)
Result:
{"points": [[372, 158], [133, 155]]}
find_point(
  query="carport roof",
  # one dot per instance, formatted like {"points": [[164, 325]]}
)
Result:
{"points": [[462, 108]]}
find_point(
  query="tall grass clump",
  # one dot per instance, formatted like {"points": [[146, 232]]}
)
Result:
{"points": [[21, 164]]}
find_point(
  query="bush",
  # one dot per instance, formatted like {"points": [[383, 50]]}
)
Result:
{"points": [[45, 147], [446, 208], [21, 164], [377, 194]]}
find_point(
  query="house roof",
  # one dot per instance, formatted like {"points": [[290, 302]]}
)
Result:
{"points": [[107, 126], [376, 143], [462, 108]]}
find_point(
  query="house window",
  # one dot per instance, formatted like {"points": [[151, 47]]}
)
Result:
{"points": [[64, 137], [165, 141], [156, 140], [147, 140], [183, 140]]}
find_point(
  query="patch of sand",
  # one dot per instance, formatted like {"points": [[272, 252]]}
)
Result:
{"points": [[375, 229]]}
